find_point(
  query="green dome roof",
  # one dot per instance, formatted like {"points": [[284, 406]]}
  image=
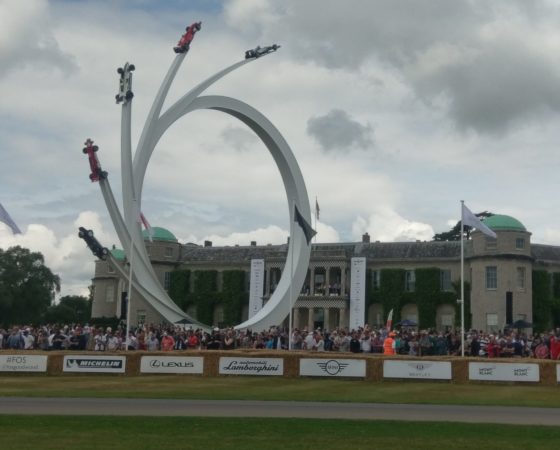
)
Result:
{"points": [[118, 254], [501, 222], [160, 234]]}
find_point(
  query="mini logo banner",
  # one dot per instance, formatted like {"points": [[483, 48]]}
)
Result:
{"points": [[251, 366], [23, 363], [429, 370], [311, 367], [94, 364], [504, 372], [172, 364]]}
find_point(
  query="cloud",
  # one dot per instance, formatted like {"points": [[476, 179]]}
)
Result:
{"points": [[239, 138], [336, 130], [386, 225], [27, 38]]}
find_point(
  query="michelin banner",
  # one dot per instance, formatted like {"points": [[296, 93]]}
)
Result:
{"points": [[357, 293], [94, 364], [427, 370]]}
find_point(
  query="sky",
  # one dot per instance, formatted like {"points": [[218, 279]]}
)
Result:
{"points": [[394, 109]]}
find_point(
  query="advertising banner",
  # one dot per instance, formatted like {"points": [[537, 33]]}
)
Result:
{"points": [[357, 293], [172, 364], [256, 289], [251, 366], [428, 370], [311, 367], [558, 373], [504, 372], [23, 363], [94, 364]]}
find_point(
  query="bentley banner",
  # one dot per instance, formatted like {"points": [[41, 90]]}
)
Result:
{"points": [[309, 367], [357, 293], [427, 370]]}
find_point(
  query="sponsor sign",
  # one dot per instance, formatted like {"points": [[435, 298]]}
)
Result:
{"points": [[504, 372], [310, 367], [172, 364], [23, 363], [357, 293], [256, 286], [428, 370], [251, 366], [558, 373], [94, 364]]}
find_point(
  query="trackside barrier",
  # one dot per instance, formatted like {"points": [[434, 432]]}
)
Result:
{"points": [[374, 368]]}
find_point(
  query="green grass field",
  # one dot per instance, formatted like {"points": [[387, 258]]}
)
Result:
{"points": [[263, 388], [24, 432], [218, 433]]}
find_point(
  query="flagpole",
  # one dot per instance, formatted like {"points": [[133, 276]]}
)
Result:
{"points": [[462, 284]]}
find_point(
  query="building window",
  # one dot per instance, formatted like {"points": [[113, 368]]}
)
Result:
{"points": [[491, 277], [410, 280], [141, 316], [491, 321], [375, 279], [110, 268], [521, 278], [491, 243], [167, 281], [110, 293], [520, 243], [447, 320], [445, 278], [168, 252]]}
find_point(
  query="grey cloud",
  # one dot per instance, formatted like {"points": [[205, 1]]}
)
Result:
{"points": [[508, 79], [338, 131], [239, 138]]}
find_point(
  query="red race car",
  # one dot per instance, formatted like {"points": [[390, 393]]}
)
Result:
{"points": [[96, 172], [185, 41]]}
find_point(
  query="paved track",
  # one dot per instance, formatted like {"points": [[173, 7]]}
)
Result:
{"points": [[319, 410]]}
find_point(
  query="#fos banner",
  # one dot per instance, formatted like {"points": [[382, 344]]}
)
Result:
{"points": [[310, 367], [23, 363], [428, 370], [256, 289], [504, 372], [357, 293], [251, 366], [172, 364], [94, 364]]}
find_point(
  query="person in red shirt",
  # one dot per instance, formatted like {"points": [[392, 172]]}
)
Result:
{"points": [[167, 342], [555, 346]]}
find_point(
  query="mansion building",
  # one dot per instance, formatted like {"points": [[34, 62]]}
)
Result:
{"points": [[419, 280]]}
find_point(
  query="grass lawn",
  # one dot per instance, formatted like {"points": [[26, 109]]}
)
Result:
{"points": [[24, 432], [264, 388]]}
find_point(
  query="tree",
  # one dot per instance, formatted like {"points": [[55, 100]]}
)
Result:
{"points": [[70, 309], [455, 233], [27, 286]]}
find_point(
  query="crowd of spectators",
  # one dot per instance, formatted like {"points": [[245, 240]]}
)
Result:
{"points": [[366, 340]]}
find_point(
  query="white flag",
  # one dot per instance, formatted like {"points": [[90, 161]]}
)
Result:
{"points": [[471, 220]]}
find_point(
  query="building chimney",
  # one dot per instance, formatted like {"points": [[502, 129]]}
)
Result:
{"points": [[253, 243], [208, 243], [365, 238]]}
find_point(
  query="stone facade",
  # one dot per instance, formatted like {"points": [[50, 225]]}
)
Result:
{"points": [[499, 272]]}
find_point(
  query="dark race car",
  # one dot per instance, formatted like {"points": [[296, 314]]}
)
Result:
{"points": [[96, 172], [185, 42], [93, 244], [261, 51], [125, 83]]}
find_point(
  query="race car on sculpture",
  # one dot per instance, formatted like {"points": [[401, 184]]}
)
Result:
{"points": [[184, 43], [261, 51], [93, 244], [125, 83], [96, 172]]}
